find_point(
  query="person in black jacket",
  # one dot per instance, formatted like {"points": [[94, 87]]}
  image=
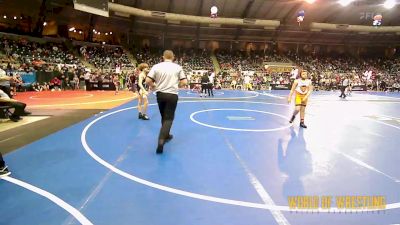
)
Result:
{"points": [[204, 84]]}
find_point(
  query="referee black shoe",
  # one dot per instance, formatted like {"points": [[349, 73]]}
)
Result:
{"points": [[4, 171]]}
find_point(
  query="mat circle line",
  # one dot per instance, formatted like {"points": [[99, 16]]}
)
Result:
{"points": [[238, 129], [196, 195]]}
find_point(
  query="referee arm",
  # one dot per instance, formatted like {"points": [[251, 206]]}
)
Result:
{"points": [[3, 78], [150, 80]]}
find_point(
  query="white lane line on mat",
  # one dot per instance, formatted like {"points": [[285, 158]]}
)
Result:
{"points": [[365, 165], [266, 198], [270, 95], [71, 210]]}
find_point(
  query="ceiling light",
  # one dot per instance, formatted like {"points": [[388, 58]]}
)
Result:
{"points": [[389, 4], [345, 2]]}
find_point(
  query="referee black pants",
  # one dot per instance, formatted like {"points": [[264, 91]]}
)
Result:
{"points": [[87, 85], [210, 89], [2, 163], [342, 90], [167, 106], [204, 88]]}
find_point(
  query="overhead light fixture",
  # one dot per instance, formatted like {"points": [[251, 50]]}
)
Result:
{"points": [[345, 2], [389, 4], [5, 17], [72, 29], [94, 31], [110, 32], [15, 17], [214, 11], [44, 24], [80, 32], [106, 34]]}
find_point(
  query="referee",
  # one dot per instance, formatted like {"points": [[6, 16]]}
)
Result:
{"points": [[345, 84], [165, 78]]}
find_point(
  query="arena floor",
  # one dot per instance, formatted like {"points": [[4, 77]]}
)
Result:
{"points": [[234, 160]]}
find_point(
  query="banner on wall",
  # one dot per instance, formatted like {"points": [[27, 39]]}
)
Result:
{"points": [[280, 86], [278, 68], [27, 77], [359, 88]]}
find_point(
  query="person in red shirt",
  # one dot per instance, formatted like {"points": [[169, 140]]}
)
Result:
{"points": [[56, 83]]}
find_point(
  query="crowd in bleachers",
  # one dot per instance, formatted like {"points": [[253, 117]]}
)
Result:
{"points": [[149, 56], [239, 61], [23, 54], [247, 61], [328, 71], [195, 60], [105, 57], [189, 59]]}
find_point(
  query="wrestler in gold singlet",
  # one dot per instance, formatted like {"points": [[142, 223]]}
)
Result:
{"points": [[302, 88]]}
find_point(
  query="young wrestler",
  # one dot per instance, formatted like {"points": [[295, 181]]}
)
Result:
{"points": [[303, 88]]}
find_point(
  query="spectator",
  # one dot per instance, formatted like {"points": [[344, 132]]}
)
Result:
{"points": [[5, 82], [36, 87], [18, 106], [55, 84]]}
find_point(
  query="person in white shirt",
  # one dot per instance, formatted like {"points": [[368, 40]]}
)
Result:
{"points": [[247, 84], [165, 78], [87, 80], [233, 84], [5, 82], [211, 84]]}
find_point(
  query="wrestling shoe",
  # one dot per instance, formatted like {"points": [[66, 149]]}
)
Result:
{"points": [[145, 117], [160, 149], [303, 125]]}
